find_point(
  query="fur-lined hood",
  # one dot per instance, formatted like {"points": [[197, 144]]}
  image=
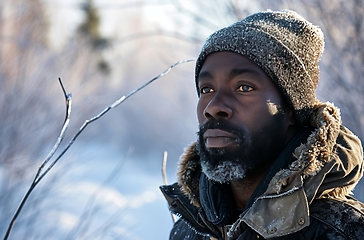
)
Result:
{"points": [[328, 165]]}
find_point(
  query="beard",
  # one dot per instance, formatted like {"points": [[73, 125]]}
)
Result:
{"points": [[253, 152]]}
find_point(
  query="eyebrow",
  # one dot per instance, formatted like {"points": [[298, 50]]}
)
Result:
{"points": [[204, 74], [233, 73], [238, 71]]}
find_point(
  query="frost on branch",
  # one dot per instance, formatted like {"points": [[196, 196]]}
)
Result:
{"points": [[47, 164]]}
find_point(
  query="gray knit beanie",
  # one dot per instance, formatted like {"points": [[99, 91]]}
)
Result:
{"points": [[285, 45]]}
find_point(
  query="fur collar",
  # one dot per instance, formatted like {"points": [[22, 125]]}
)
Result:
{"points": [[311, 156]]}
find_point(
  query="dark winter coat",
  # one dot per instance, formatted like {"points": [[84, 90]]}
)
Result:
{"points": [[305, 195]]}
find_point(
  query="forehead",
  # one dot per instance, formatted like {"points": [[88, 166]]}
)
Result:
{"points": [[229, 63]]}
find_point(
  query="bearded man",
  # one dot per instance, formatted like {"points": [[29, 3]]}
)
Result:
{"points": [[271, 161]]}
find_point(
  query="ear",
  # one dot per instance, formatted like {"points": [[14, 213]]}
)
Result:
{"points": [[290, 123], [291, 119]]}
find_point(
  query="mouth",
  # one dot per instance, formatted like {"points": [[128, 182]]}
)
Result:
{"points": [[216, 138]]}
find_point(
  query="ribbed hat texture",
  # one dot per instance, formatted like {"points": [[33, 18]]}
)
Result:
{"points": [[285, 45]]}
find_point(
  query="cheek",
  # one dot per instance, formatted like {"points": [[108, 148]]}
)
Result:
{"points": [[200, 112]]}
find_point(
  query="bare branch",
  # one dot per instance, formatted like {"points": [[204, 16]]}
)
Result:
{"points": [[164, 165], [115, 104], [164, 174], [39, 175], [61, 136]]}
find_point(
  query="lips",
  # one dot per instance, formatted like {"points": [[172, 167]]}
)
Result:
{"points": [[216, 138]]}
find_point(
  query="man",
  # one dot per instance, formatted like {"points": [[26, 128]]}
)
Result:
{"points": [[271, 161]]}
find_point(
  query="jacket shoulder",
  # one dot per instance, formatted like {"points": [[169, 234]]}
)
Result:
{"points": [[345, 217]]}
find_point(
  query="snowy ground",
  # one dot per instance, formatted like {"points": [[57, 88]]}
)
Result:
{"points": [[122, 191], [98, 193]]}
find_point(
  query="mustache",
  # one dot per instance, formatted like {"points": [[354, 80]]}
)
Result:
{"points": [[223, 125]]}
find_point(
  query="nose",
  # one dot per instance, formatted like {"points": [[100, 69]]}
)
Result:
{"points": [[218, 107]]}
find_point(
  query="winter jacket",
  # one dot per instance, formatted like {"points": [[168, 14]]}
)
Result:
{"points": [[307, 193]]}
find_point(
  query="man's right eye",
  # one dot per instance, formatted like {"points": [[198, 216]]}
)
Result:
{"points": [[205, 90]]}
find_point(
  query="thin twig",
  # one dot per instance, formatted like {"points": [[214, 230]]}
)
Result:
{"points": [[164, 166], [164, 174], [39, 175], [114, 105], [55, 147], [68, 98]]}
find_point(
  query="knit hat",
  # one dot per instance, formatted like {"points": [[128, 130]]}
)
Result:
{"points": [[285, 45]]}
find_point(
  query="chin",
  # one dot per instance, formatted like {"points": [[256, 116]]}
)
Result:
{"points": [[223, 172]]}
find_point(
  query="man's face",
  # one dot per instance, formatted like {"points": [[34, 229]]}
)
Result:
{"points": [[244, 123]]}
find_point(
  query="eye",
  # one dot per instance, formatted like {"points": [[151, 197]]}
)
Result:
{"points": [[205, 90], [244, 88]]}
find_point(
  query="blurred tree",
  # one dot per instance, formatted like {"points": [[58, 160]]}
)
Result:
{"points": [[31, 103], [22, 37], [90, 29]]}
